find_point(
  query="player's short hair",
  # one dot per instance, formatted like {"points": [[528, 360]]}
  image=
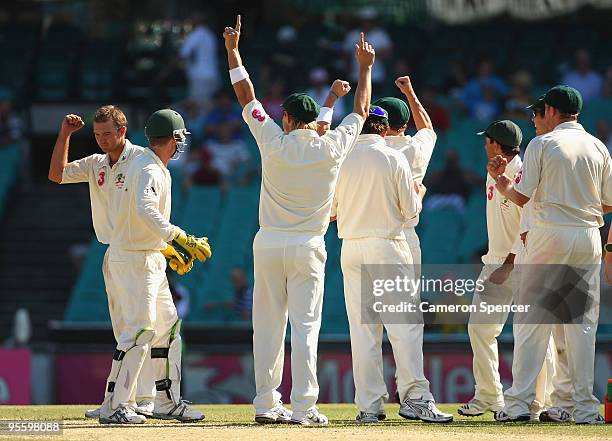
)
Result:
{"points": [[401, 128], [111, 113], [373, 126], [159, 140], [506, 149]]}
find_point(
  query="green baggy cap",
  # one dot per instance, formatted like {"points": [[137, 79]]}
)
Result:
{"points": [[301, 107], [398, 110], [564, 98], [504, 132], [538, 105]]}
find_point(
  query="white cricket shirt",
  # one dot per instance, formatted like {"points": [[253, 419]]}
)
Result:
{"points": [[104, 182], [418, 150], [572, 172], [299, 171], [503, 215], [375, 194], [141, 217]]}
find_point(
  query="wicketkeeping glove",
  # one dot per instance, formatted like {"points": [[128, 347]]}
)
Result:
{"points": [[198, 247], [179, 260]]}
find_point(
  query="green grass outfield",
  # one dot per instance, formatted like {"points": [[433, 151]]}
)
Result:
{"points": [[236, 422]]}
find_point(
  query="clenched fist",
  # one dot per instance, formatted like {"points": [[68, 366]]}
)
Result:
{"points": [[71, 123], [404, 84], [341, 87], [497, 166]]}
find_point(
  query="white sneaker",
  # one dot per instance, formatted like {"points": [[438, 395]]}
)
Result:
{"points": [[122, 415], [93, 413], [144, 407], [555, 415], [503, 417], [367, 418], [475, 407], [278, 414], [424, 410], [596, 421], [311, 418], [183, 411]]}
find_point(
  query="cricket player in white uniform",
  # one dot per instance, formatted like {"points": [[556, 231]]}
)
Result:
{"points": [[568, 173], [557, 388], [417, 149], [503, 228], [503, 219], [375, 178], [299, 173], [105, 175], [136, 271]]}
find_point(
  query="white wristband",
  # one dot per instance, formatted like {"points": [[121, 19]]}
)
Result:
{"points": [[238, 74], [325, 114]]}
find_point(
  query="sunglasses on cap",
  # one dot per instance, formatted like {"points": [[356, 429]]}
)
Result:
{"points": [[377, 111]]}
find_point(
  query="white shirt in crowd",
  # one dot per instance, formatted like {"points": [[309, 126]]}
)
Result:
{"points": [[503, 215], [199, 51], [375, 195], [105, 183], [227, 156], [418, 150], [572, 172], [590, 85], [141, 216], [299, 171]]}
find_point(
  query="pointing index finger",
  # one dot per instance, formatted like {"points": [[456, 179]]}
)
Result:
{"points": [[238, 23], [362, 40]]}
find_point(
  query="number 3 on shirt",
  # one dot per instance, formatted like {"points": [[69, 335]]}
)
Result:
{"points": [[490, 192]]}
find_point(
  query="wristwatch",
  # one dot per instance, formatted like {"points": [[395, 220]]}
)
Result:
{"points": [[608, 247]]}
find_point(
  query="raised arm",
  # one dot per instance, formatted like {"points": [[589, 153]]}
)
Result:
{"points": [[364, 52], [338, 89], [59, 158], [419, 114], [245, 92]]}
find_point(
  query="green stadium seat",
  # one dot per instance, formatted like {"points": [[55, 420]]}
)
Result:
{"points": [[237, 227], [440, 235], [88, 301], [474, 236]]}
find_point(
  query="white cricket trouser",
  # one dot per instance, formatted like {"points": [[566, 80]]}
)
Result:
{"points": [[562, 388], [412, 239], [145, 385], [137, 287], [483, 330], [289, 280], [366, 339], [559, 245]]}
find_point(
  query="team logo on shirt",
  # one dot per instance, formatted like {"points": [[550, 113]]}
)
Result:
{"points": [[490, 192], [120, 180], [518, 177], [150, 189], [101, 178], [258, 115]]}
